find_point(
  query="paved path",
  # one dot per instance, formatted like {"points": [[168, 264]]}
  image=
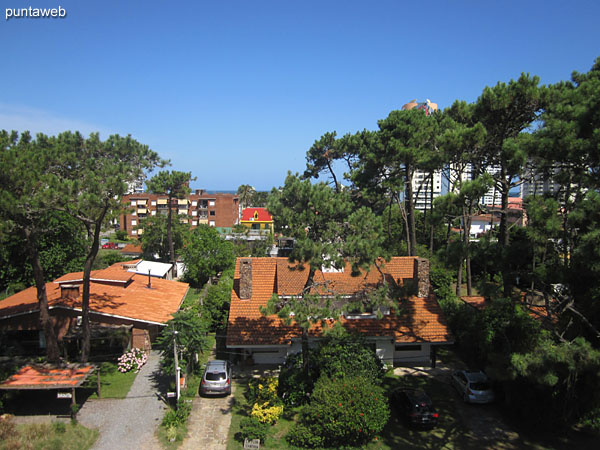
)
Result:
{"points": [[128, 423]]}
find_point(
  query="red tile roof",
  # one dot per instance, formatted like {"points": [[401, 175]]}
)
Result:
{"points": [[40, 377], [262, 215], [113, 291], [417, 320], [132, 249]]}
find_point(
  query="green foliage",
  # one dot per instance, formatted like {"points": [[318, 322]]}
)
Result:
{"points": [[295, 385], [191, 339], [121, 235], [556, 383], [62, 247], [342, 412], [247, 194], [215, 307], [155, 237], [252, 428], [205, 254], [177, 417], [107, 258], [349, 357]]}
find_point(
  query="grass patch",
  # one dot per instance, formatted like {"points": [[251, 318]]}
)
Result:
{"points": [[192, 297], [113, 384], [58, 435]]}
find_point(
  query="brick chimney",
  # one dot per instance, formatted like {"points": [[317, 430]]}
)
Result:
{"points": [[246, 278], [69, 290], [422, 276]]}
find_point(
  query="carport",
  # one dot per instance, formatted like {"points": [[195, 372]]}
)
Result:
{"points": [[64, 378]]}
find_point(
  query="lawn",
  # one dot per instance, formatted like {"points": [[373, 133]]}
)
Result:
{"points": [[58, 435], [113, 384]]}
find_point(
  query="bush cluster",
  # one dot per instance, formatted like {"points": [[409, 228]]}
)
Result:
{"points": [[251, 428], [267, 412], [344, 411], [267, 406]]}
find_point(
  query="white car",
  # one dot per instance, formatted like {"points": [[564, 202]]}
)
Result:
{"points": [[473, 387]]}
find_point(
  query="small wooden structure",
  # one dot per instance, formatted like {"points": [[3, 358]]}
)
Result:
{"points": [[63, 377]]}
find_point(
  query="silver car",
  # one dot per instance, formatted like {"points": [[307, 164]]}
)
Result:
{"points": [[473, 387], [216, 379]]}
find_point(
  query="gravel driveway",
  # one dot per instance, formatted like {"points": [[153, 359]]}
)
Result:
{"points": [[128, 423]]}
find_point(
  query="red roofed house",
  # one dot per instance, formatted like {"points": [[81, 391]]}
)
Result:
{"points": [[257, 219], [118, 298], [405, 336]]}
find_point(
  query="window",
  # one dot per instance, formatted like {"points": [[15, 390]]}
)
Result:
{"points": [[194, 203], [133, 213], [211, 223], [212, 213], [133, 223], [194, 213], [133, 203], [194, 223], [153, 213], [153, 202], [211, 203], [134, 232]]}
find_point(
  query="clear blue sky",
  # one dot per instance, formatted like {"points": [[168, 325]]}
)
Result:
{"points": [[237, 91]]}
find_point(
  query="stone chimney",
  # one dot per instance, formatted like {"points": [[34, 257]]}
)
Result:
{"points": [[422, 276], [246, 278], [69, 290]]}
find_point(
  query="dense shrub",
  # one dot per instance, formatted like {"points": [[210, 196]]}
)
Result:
{"points": [[251, 428], [346, 411], [262, 390], [294, 385], [349, 356], [267, 412]]}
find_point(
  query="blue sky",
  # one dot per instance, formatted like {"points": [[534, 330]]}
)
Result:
{"points": [[237, 91]]}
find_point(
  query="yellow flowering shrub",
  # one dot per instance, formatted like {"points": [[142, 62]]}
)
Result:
{"points": [[265, 413]]}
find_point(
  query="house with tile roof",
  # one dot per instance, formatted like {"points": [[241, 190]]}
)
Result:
{"points": [[119, 298], [406, 335]]}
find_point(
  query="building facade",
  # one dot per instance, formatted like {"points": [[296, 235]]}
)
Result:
{"points": [[216, 210]]}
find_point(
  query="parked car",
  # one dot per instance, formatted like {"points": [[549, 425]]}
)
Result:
{"points": [[473, 387], [111, 245], [216, 379], [416, 407]]}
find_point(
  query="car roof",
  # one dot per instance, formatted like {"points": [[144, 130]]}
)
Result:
{"points": [[476, 376], [216, 365], [417, 395]]}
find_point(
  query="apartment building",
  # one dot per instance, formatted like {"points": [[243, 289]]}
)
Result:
{"points": [[214, 209]]}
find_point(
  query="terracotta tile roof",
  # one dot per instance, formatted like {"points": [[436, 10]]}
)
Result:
{"points": [[40, 377], [131, 300], [419, 320], [475, 301], [248, 214]]}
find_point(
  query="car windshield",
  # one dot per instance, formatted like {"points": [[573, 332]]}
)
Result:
{"points": [[216, 376], [480, 386]]}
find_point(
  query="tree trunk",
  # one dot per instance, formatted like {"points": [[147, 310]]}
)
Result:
{"points": [[305, 348], [85, 298], [52, 352], [410, 212]]}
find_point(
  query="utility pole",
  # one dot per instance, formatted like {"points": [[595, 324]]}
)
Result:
{"points": [[177, 388]]}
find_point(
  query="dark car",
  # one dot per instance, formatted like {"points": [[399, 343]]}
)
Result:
{"points": [[217, 378], [416, 407]]}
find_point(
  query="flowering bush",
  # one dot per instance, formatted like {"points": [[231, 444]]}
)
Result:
{"points": [[133, 359], [263, 389], [265, 413], [342, 412]]}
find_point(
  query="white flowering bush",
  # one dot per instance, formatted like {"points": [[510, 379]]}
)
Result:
{"points": [[132, 359]]}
